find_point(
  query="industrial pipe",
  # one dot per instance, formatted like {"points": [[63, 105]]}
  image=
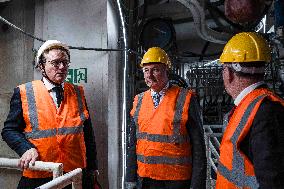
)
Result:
{"points": [[203, 30]]}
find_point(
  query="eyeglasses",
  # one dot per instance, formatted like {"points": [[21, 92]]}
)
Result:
{"points": [[57, 63], [154, 70]]}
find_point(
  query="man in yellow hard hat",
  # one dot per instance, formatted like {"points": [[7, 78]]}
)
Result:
{"points": [[165, 146], [49, 121], [251, 152]]}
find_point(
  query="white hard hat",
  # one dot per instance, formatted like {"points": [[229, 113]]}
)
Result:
{"points": [[50, 44]]}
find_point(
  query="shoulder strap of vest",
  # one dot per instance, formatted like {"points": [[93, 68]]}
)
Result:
{"points": [[138, 106], [178, 110], [80, 100], [31, 105]]}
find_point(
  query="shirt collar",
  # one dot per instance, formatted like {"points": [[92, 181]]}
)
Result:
{"points": [[162, 92], [246, 91], [49, 86]]}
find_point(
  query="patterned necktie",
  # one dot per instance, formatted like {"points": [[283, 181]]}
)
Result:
{"points": [[156, 99], [59, 94]]}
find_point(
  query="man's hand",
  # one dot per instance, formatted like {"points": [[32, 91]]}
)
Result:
{"points": [[30, 156], [130, 185]]}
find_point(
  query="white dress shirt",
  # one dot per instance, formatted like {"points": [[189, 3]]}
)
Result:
{"points": [[49, 86], [246, 91]]}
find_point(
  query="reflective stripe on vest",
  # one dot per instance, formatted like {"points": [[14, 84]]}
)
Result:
{"points": [[36, 134], [237, 174], [163, 160], [175, 138]]}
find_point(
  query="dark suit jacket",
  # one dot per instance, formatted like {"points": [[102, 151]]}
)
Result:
{"points": [[14, 126], [264, 145]]}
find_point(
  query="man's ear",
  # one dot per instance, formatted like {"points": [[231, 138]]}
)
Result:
{"points": [[231, 75], [41, 67]]}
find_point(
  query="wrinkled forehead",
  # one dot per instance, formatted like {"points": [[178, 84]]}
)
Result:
{"points": [[154, 65], [56, 53]]}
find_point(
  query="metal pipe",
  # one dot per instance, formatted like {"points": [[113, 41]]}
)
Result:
{"points": [[74, 177], [213, 165], [125, 87], [55, 168], [203, 30]]}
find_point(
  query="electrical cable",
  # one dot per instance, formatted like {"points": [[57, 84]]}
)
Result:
{"points": [[42, 40]]}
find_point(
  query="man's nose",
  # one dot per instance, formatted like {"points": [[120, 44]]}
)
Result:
{"points": [[151, 73], [62, 66]]}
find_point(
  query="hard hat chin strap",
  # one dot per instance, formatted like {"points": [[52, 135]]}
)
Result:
{"points": [[248, 70]]}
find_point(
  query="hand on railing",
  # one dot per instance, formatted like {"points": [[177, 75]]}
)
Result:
{"points": [[30, 156], [130, 185]]}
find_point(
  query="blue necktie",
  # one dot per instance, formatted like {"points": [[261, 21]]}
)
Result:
{"points": [[156, 99]]}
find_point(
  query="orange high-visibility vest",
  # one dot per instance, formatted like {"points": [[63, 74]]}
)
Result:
{"points": [[56, 133], [235, 170], [163, 145]]}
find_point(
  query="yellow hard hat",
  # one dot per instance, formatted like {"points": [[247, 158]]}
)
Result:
{"points": [[246, 47], [155, 55]]}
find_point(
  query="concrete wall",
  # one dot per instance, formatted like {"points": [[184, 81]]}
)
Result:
{"points": [[16, 67]]}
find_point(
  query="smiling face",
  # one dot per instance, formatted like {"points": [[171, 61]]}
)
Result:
{"points": [[155, 75], [56, 65]]}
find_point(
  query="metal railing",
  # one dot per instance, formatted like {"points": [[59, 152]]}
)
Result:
{"points": [[212, 140], [55, 168], [74, 177], [59, 180]]}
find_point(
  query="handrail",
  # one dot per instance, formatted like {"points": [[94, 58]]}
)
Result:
{"points": [[212, 145], [55, 168], [74, 177]]}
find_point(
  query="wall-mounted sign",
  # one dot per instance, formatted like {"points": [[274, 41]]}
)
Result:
{"points": [[77, 75]]}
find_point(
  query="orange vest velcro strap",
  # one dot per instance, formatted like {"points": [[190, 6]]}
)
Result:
{"points": [[237, 175], [53, 132], [164, 160], [163, 138]]}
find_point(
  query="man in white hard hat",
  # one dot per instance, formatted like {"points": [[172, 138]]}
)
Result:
{"points": [[49, 121]]}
